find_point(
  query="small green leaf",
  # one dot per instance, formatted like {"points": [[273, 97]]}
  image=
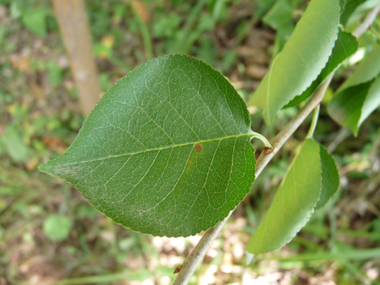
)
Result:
{"points": [[302, 58], [166, 26], [35, 21], [282, 36], [14, 144], [279, 15], [345, 46], [262, 6], [57, 227], [353, 105], [166, 151], [367, 70], [330, 177], [359, 95], [345, 107], [293, 203], [372, 100], [54, 73]]}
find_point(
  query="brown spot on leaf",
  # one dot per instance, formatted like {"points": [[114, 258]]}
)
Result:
{"points": [[198, 147], [190, 159]]}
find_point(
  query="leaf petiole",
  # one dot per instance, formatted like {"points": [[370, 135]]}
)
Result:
{"points": [[313, 122], [262, 138]]}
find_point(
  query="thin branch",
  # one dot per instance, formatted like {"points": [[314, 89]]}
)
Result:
{"points": [[314, 122], [199, 251], [197, 254], [367, 22]]}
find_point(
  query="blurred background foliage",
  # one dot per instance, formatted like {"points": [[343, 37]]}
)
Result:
{"points": [[48, 232]]}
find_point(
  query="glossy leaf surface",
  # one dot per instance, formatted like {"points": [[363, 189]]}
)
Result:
{"points": [[302, 58], [166, 151]]}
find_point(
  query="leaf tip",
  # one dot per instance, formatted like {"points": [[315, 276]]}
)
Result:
{"points": [[43, 168], [250, 257]]}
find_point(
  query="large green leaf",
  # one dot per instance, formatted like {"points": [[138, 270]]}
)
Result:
{"points": [[359, 95], [309, 183], [166, 151], [293, 204], [302, 58], [345, 46]]}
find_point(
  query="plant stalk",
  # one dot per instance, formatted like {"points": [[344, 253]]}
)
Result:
{"points": [[367, 22], [262, 138], [314, 122], [196, 256]]}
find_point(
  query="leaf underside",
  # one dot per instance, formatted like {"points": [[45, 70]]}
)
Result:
{"points": [[166, 151], [293, 203], [311, 180], [359, 95], [302, 58], [345, 107]]}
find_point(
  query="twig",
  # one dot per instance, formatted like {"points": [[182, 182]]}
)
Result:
{"points": [[367, 22], [196, 256]]}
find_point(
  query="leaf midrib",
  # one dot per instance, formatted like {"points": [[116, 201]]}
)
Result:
{"points": [[153, 149]]}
